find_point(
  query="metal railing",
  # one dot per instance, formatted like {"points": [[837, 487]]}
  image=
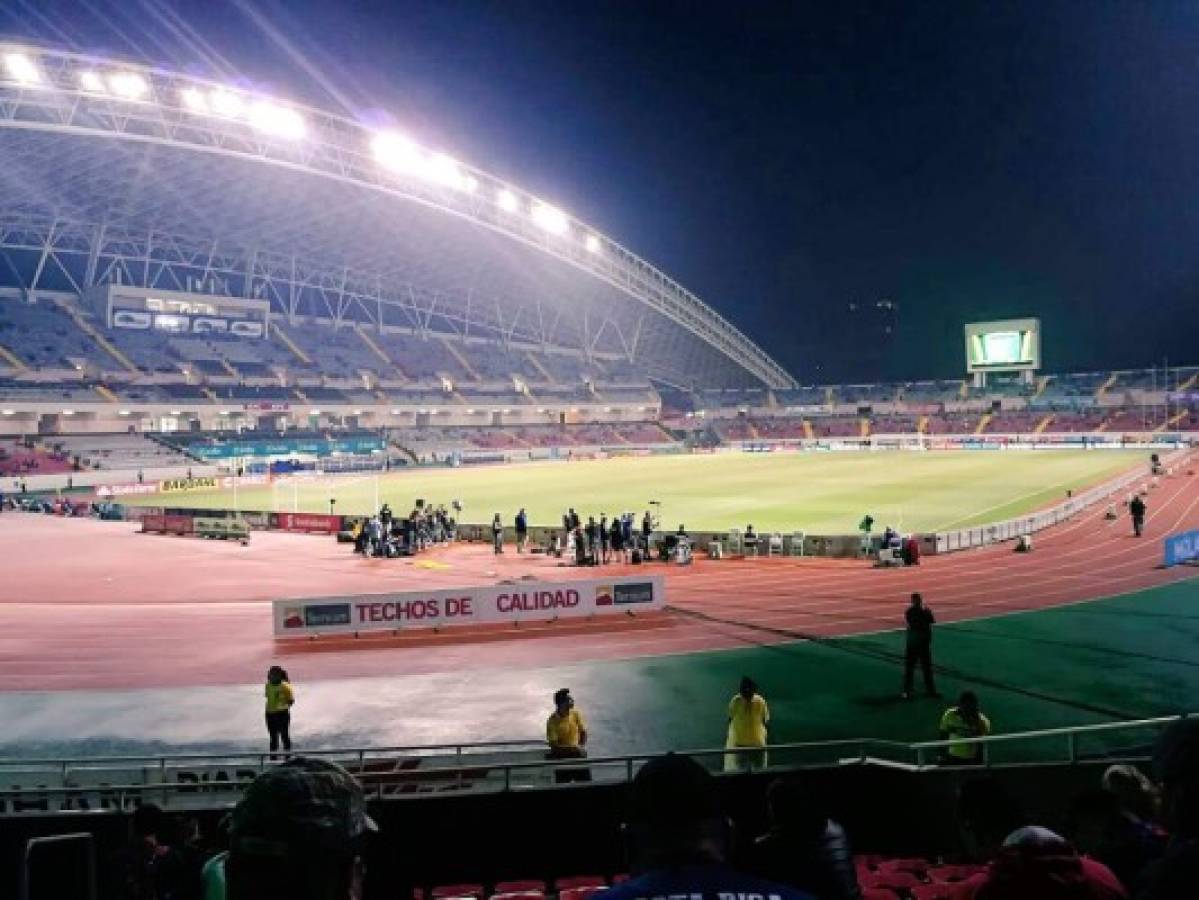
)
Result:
{"points": [[491, 768]]}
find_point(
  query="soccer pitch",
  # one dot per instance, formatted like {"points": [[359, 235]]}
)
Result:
{"points": [[820, 493]]}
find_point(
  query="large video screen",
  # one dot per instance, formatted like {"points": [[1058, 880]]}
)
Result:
{"points": [[1003, 346]]}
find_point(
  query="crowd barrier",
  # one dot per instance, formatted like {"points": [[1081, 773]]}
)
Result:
{"points": [[206, 781]]}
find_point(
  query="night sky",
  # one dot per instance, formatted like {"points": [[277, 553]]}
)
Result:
{"points": [[793, 164]]}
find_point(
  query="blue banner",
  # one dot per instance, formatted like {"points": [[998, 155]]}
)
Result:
{"points": [[1182, 547]]}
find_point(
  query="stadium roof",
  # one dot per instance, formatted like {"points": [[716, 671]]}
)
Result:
{"points": [[112, 172]]}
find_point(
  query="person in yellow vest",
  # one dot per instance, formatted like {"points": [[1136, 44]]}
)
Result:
{"points": [[964, 721], [279, 700], [566, 734], [748, 717]]}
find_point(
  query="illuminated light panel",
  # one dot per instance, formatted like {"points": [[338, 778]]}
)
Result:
{"points": [[227, 104], [21, 68], [507, 200], [550, 219], [194, 99], [280, 121], [128, 85], [593, 244], [91, 82]]}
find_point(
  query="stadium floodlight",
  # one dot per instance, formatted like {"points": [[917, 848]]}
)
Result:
{"points": [[227, 104], [128, 85], [194, 100], [395, 152], [507, 200], [68, 412], [10, 412], [276, 120], [176, 412], [470, 184], [314, 412], [91, 82], [593, 244], [21, 68], [550, 219]]}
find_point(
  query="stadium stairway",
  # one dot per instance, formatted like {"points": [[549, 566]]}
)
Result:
{"points": [[983, 421], [1043, 425], [922, 425], [228, 367], [210, 394], [1106, 386], [830, 395], [378, 351], [290, 344], [12, 359], [864, 427], [100, 340], [964, 390], [536, 363], [1173, 420], [1042, 383], [106, 393], [808, 432], [1189, 383], [300, 395], [461, 358]]}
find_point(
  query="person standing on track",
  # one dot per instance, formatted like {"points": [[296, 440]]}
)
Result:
{"points": [[919, 650], [1136, 509], [279, 700], [497, 534], [522, 530]]}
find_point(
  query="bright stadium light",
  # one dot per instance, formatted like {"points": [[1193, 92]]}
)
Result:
{"points": [[21, 68], [10, 412], [273, 119], [547, 217], [593, 244], [395, 152], [91, 82], [128, 85], [227, 104], [507, 200], [194, 99]]}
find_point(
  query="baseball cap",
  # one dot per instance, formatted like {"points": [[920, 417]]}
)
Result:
{"points": [[673, 790], [301, 805]]}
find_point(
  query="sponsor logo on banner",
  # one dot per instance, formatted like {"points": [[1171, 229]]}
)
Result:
{"points": [[603, 595], [309, 522], [327, 614], [1181, 548], [178, 485], [122, 490], [637, 592]]}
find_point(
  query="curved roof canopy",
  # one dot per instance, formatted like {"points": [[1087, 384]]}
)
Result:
{"points": [[115, 172]]}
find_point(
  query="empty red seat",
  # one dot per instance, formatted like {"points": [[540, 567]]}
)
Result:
{"points": [[445, 891], [895, 880], [873, 893], [519, 895], [519, 887], [581, 893], [933, 891], [949, 874], [579, 881]]}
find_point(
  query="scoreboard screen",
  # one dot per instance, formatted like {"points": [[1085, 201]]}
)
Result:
{"points": [[1010, 346]]}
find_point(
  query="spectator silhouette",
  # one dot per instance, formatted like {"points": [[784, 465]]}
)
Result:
{"points": [[678, 840], [1176, 763], [804, 847], [1035, 862]]}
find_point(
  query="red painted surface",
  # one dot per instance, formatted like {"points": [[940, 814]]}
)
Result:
{"points": [[86, 604]]}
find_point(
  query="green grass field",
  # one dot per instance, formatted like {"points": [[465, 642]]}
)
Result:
{"points": [[819, 493]]}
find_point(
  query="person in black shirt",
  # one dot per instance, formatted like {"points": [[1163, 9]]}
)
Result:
{"points": [[1136, 509], [919, 650]]}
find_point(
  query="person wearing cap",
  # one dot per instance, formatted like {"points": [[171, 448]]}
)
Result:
{"points": [[678, 840], [1176, 764], [566, 734], [1035, 862], [299, 833]]}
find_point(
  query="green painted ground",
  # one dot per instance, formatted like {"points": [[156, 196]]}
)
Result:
{"points": [[818, 493], [1133, 656]]}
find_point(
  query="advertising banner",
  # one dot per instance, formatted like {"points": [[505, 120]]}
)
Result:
{"points": [[1182, 547], [498, 603], [308, 522], [180, 485], [124, 490]]}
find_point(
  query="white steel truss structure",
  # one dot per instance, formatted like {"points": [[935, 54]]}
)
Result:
{"points": [[113, 173]]}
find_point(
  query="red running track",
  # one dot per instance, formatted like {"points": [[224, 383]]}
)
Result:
{"points": [[87, 604]]}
